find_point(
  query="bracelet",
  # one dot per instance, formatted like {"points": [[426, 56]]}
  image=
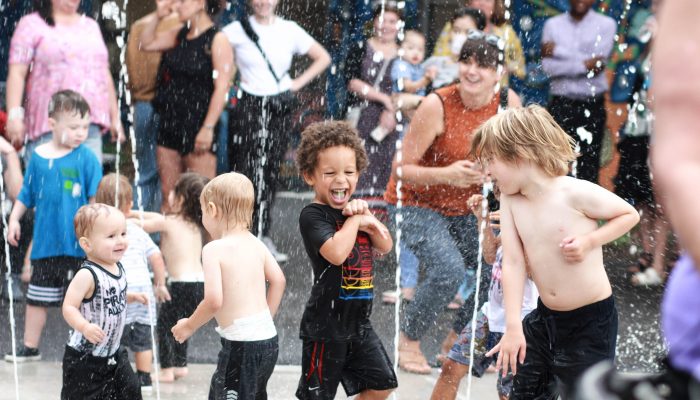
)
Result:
{"points": [[15, 113]]}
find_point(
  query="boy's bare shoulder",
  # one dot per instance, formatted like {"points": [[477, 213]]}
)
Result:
{"points": [[238, 245]]}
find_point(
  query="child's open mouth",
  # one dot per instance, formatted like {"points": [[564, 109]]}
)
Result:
{"points": [[338, 195]]}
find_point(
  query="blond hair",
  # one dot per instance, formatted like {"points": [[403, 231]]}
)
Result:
{"points": [[84, 219], [115, 190], [233, 194], [525, 134]]}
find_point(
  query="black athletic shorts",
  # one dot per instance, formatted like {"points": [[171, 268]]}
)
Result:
{"points": [[359, 365], [561, 345], [86, 377], [50, 279], [137, 337], [243, 369]]}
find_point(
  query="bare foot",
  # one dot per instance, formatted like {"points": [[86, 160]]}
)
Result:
{"points": [[167, 375], [408, 293], [181, 372], [411, 359]]}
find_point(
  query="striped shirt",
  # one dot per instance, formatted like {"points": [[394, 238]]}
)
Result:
{"points": [[105, 308], [135, 262]]}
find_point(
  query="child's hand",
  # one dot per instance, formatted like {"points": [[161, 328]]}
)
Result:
{"points": [[137, 297], [371, 225], [162, 294], [182, 331], [13, 232], [574, 249], [431, 72], [511, 351], [93, 333], [475, 204], [495, 219], [356, 207]]}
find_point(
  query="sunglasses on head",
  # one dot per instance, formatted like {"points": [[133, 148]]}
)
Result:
{"points": [[489, 38]]}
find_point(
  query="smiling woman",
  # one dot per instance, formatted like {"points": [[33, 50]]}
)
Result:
{"points": [[437, 181]]}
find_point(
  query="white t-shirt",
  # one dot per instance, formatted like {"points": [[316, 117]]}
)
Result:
{"points": [[280, 41], [494, 309], [138, 276]]}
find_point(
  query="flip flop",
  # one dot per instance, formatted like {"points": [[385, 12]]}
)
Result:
{"points": [[647, 278]]}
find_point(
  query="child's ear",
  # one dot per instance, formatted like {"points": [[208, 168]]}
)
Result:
{"points": [[84, 244], [52, 123], [308, 178], [211, 209]]}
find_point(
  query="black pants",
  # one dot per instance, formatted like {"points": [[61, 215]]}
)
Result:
{"points": [[88, 377], [258, 139], [574, 115], [17, 253], [185, 298], [243, 369], [561, 345]]}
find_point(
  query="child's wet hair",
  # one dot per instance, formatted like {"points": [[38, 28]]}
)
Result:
{"points": [[115, 190], [85, 217], [525, 134], [323, 135], [188, 188], [233, 195], [69, 102]]}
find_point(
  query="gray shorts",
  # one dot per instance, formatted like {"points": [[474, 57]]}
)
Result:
{"points": [[137, 337]]}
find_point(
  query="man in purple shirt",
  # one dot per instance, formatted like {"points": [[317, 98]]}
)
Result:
{"points": [[575, 47]]}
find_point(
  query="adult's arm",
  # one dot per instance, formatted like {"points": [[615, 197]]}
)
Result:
{"points": [[320, 61], [676, 145], [13, 170], [222, 62], [363, 90], [425, 127], [16, 78], [157, 41]]}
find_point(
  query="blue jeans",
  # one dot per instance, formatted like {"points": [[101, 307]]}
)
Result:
{"points": [[409, 267], [145, 129], [93, 142], [445, 246]]}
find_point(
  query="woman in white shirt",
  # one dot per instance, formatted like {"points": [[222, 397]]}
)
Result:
{"points": [[261, 120]]}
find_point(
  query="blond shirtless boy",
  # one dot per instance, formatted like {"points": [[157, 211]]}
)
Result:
{"points": [[552, 221], [234, 291]]}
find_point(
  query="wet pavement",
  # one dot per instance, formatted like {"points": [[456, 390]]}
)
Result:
{"points": [[639, 341]]}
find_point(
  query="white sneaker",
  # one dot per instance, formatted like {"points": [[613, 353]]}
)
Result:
{"points": [[279, 256]]}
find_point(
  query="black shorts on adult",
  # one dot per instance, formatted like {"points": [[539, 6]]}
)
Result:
{"points": [[359, 365], [561, 345], [86, 377], [137, 337], [50, 278], [243, 369]]}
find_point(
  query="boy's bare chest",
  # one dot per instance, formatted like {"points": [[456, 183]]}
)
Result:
{"points": [[546, 221]]}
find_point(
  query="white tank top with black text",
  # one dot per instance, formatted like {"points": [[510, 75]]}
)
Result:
{"points": [[106, 309]]}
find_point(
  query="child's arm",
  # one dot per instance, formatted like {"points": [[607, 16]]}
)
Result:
{"points": [[337, 248], [136, 298], [512, 346], [13, 229], [490, 242], [275, 278], [158, 265], [151, 222], [378, 233], [213, 297], [81, 287], [598, 204]]}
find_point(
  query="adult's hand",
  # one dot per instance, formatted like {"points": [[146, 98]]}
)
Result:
{"points": [[547, 49], [595, 65], [15, 132], [463, 173], [203, 140], [117, 131]]}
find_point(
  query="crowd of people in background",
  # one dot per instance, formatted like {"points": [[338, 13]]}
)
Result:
{"points": [[182, 66]]}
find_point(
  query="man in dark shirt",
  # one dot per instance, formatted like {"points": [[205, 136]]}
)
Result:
{"points": [[339, 344]]}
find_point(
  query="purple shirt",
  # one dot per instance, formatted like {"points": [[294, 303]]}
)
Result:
{"points": [[680, 317], [575, 42]]}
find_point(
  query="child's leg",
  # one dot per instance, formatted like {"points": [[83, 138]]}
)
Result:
{"points": [[367, 369], [166, 320], [144, 361], [125, 383], [370, 394], [534, 377], [34, 322], [243, 369], [448, 382], [190, 295]]}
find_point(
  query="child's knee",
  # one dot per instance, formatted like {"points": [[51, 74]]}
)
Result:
{"points": [[374, 394], [453, 372]]}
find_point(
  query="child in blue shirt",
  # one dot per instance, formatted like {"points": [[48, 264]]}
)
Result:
{"points": [[408, 74], [62, 176]]}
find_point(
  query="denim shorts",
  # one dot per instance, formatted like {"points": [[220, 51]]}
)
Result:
{"points": [[137, 337]]}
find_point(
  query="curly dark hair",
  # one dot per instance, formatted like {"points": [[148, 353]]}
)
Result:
{"points": [[189, 188], [325, 134]]}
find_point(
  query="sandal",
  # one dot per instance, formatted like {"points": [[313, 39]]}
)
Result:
{"points": [[414, 362], [647, 278], [643, 262]]}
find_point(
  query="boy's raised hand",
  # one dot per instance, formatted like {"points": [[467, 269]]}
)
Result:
{"points": [[182, 331], [575, 248], [511, 351], [356, 207], [93, 333]]}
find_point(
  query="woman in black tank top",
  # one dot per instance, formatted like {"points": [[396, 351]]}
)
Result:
{"points": [[191, 89]]}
